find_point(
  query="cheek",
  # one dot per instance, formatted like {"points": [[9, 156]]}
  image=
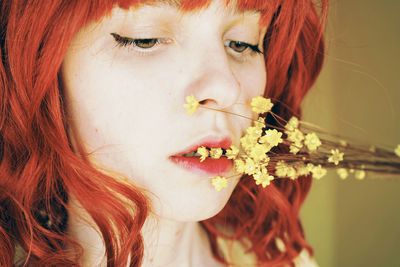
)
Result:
{"points": [[253, 79], [113, 90], [118, 109], [260, 79]]}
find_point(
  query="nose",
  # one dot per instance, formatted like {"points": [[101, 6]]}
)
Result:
{"points": [[214, 83]]}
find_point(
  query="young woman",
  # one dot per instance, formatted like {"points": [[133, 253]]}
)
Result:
{"points": [[95, 163]]}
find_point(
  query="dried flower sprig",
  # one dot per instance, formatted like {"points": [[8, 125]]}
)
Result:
{"points": [[309, 152], [191, 105]]}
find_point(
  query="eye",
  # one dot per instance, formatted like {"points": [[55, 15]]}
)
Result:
{"points": [[145, 43], [241, 47], [238, 46]]}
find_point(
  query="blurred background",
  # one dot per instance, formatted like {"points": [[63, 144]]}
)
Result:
{"points": [[352, 222]]}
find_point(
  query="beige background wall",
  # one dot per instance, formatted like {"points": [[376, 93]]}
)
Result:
{"points": [[352, 222]]}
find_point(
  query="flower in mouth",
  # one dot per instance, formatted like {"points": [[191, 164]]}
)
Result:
{"points": [[307, 153], [203, 153], [216, 153], [232, 153], [191, 105]]}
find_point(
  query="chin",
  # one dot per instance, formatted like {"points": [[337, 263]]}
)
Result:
{"points": [[194, 205]]}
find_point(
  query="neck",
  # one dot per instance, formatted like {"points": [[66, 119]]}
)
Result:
{"points": [[172, 243], [166, 242]]}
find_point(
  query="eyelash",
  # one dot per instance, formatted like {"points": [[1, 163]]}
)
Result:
{"points": [[125, 41], [253, 48]]}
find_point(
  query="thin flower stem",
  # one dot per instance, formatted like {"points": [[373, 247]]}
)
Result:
{"points": [[228, 112]]}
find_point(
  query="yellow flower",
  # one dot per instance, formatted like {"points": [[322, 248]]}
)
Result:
{"points": [[262, 177], [216, 153], [191, 105], [318, 172], [271, 137], [248, 142], [310, 167], [260, 123], [204, 153], [343, 143], [291, 173], [219, 182], [261, 105], [312, 141], [360, 174], [343, 173], [254, 132], [294, 149], [251, 167], [336, 156], [292, 124], [281, 169], [296, 137], [397, 150], [232, 153], [239, 165], [259, 152], [302, 169]]}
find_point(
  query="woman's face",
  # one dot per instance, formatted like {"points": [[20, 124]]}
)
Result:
{"points": [[126, 79]]}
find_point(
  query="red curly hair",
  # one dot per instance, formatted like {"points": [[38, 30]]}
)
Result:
{"points": [[38, 167]]}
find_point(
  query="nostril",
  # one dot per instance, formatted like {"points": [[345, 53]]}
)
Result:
{"points": [[207, 101]]}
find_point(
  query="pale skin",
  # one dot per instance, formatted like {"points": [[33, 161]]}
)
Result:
{"points": [[126, 105]]}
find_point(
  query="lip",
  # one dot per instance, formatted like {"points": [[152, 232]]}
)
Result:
{"points": [[209, 166]]}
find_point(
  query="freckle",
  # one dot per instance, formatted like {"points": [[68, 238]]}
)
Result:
{"points": [[177, 232], [97, 130]]}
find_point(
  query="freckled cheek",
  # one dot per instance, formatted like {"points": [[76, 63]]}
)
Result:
{"points": [[253, 83], [261, 73]]}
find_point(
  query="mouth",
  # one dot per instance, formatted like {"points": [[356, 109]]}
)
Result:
{"points": [[190, 160]]}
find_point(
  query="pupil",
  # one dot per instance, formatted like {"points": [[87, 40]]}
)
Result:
{"points": [[238, 46], [145, 43]]}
